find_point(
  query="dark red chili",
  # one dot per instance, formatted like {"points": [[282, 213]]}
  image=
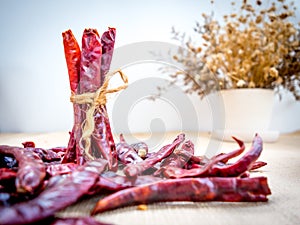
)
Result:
{"points": [[108, 39], [243, 164], [189, 189], [31, 169], [73, 60], [72, 55]]}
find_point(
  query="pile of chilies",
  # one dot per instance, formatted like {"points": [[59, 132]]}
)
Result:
{"points": [[37, 183]]}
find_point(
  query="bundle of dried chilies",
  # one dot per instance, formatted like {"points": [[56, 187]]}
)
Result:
{"points": [[36, 183], [91, 135]]}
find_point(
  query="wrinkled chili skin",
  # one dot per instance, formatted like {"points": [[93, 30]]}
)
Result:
{"points": [[101, 139], [31, 170], [132, 170], [126, 153], [108, 39], [72, 55], [55, 197], [73, 60], [189, 189], [111, 141], [91, 54], [108, 42]]}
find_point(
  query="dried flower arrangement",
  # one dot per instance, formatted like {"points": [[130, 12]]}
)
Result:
{"points": [[256, 47]]}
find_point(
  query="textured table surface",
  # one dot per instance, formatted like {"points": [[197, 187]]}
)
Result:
{"points": [[283, 172]]}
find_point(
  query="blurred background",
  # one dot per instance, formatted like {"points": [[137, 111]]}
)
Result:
{"points": [[34, 86]]}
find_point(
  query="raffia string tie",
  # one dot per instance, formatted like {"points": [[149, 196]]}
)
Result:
{"points": [[94, 100]]}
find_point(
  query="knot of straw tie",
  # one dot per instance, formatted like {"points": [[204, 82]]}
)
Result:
{"points": [[94, 100]]}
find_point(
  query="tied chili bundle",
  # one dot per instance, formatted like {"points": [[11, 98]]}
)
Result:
{"points": [[89, 77], [37, 183]]}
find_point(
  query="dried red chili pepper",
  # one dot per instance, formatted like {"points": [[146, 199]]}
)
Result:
{"points": [[204, 171], [73, 57], [132, 170], [126, 153], [108, 42], [189, 189], [31, 170], [243, 164], [102, 141], [90, 64], [59, 195]]}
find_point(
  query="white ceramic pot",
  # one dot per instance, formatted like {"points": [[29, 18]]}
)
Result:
{"points": [[247, 111]]}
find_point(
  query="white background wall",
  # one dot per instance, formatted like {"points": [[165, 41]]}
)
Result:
{"points": [[34, 88]]}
